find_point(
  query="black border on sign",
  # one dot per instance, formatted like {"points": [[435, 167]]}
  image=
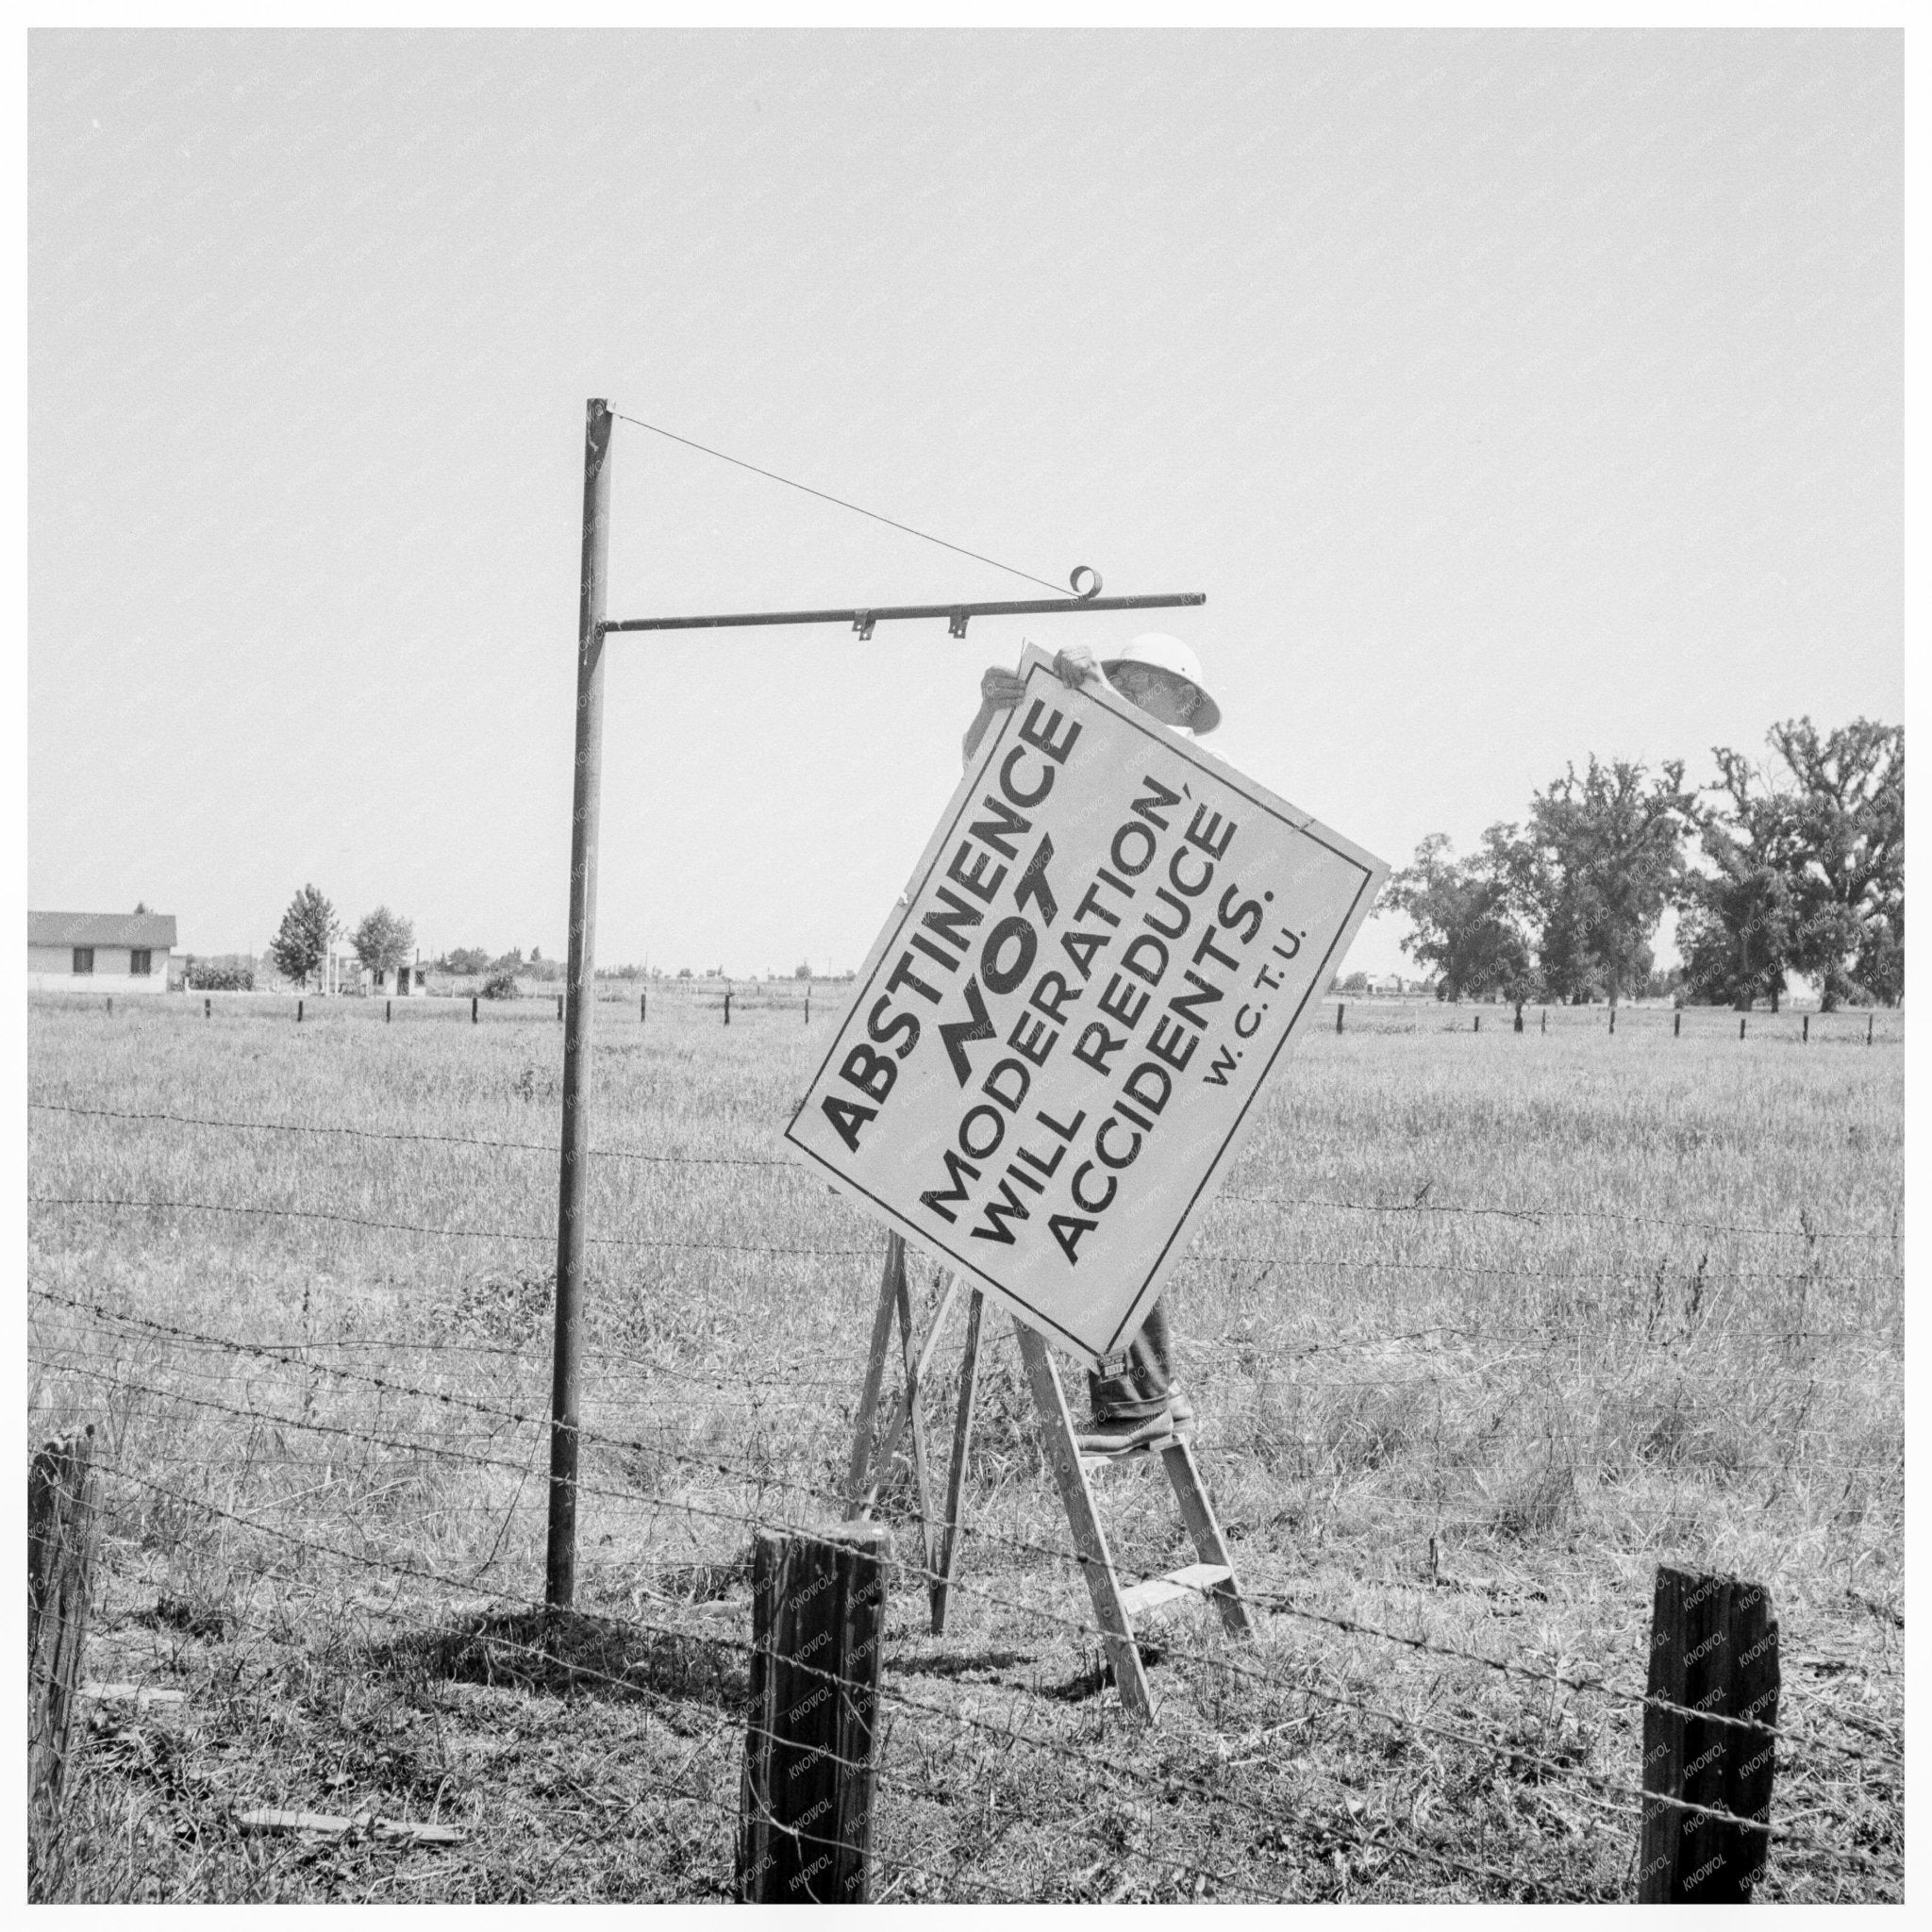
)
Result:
{"points": [[1213, 768]]}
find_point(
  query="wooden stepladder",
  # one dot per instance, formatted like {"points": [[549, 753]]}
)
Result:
{"points": [[1114, 1606]]}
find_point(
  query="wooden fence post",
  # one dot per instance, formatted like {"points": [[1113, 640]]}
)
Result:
{"points": [[727, 1006], [208, 1008], [1869, 1017], [1339, 1008], [388, 1011], [807, 1005], [1519, 1016], [1741, 1018], [1477, 1027], [1544, 1027], [559, 1005], [1613, 1023], [1713, 1648], [299, 1003], [1805, 1038], [1677, 1023], [60, 1549], [818, 1622], [475, 1003], [643, 1007]]}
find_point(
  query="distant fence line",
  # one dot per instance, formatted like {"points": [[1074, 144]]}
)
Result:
{"points": [[716, 1002]]}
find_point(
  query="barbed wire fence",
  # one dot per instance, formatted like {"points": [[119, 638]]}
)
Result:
{"points": [[262, 1466]]}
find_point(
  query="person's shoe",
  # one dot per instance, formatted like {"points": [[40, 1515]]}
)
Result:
{"points": [[1182, 1410], [1121, 1435]]}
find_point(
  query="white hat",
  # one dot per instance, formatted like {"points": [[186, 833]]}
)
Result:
{"points": [[1159, 652]]}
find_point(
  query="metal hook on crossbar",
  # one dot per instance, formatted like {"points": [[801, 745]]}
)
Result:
{"points": [[955, 622], [862, 622], [1092, 590]]}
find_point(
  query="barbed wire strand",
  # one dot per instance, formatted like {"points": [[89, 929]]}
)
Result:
{"points": [[762, 1480]]}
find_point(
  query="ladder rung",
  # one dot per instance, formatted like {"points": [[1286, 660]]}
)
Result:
{"points": [[1196, 1580], [1089, 1461]]}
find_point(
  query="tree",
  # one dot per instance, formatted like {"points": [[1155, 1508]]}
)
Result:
{"points": [[1807, 868], [1599, 860], [382, 941], [302, 942], [466, 959], [1736, 933], [1848, 806], [1464, 923]]}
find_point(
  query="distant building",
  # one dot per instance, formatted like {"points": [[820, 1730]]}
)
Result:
{"points": [[402, 982], [1383, 983], [103, 951]]}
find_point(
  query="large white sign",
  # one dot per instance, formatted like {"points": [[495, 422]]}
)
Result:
{"points": [[1057, 1041]]}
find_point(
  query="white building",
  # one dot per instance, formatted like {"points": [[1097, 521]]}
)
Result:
{"points": [[99, 951]]}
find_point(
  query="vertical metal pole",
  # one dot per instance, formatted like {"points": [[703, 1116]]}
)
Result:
{"points": [[559, 1569]]}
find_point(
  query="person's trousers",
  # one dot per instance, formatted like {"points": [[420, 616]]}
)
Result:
{"points": [[1137, 1382]]}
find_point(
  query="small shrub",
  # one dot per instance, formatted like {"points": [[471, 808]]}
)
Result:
{"points": [[202, 977], [500, 985]]}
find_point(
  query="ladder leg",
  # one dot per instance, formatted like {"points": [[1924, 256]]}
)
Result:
{"points": [[913, 1357], [865, 1490], [1197, 1512], [1090, 1539], [956, 1472], [859, 1491]]}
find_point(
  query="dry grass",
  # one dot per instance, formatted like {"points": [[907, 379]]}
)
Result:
{"points": [[1683, 1343]]}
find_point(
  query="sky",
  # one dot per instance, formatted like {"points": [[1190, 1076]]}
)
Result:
{"points": [[1513, 396]]}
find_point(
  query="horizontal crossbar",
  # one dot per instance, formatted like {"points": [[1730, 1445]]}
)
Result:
{"points": [[862, 618]]}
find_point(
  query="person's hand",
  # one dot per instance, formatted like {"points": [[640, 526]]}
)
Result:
{"points": [[1077, 665], [1000, 687]]}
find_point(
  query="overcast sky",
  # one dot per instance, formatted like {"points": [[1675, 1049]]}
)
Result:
{"points": [[1512, 396]]}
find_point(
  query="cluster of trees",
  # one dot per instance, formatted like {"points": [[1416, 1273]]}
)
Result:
{"points": [[1794, 865], [463, 960], [382, 939]]}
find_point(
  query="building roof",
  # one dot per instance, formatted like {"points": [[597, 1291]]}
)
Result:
{"points": [[154, 930]]}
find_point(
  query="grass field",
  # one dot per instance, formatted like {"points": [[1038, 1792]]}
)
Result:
{"points": [[1482, 1328]]}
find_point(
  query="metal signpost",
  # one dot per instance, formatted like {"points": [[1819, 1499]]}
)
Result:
{"points": [[1055, 1046], [580, 983]]}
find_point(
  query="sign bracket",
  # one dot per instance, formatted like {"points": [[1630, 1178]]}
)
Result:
{"points": [[593, 628]]}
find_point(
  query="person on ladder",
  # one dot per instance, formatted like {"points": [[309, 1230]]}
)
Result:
{"points": [[1135, 1398]]}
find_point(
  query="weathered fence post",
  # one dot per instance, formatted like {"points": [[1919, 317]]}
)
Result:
{"points": [[299, 1003], [1545, 1026], [389, 1010], [1613, 1023], [475, 1003], [559, 1005], [1478, 1026], [1741, 1018], [59, 1540], [208, 1008], [1713, 1649], [727, 1006], [1341, 1007], [1869, 1017], [110, 1006], [818, 1621], [1519, 1016], [1805, 1038], [642, 1006], [807, 1005], [1677, 1023]]}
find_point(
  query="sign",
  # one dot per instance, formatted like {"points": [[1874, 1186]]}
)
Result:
{"points": [[1057, 1044]]}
